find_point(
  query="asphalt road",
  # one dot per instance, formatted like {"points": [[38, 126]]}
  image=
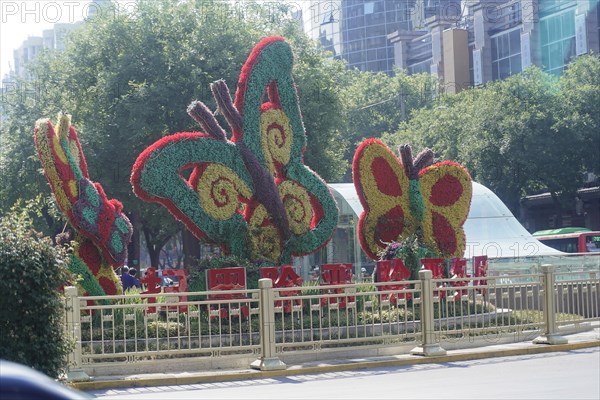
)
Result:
{"points": [[562, 375]]}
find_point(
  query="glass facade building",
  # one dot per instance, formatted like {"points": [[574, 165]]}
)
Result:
{"points": [[365, 26], [557, 38], [357, 30], [506, 54], [501, 38]]}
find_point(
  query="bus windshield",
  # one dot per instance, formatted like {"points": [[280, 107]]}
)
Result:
{"points": [[568, 245], [569, 240], [592, 243]]}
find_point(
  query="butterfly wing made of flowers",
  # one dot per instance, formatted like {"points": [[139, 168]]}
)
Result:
{"points": [[383, 189], [251, 194], [57, 163], [207, 201], [82, 201], [274, 133], [447, 190]]}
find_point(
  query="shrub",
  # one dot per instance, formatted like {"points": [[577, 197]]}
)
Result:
{"points": [[411, 250], [31, 307]]}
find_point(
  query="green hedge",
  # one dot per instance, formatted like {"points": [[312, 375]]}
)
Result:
{"points": [[32, 271]]}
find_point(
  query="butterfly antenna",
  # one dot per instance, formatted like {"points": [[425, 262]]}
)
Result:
{"points": [[407, 161], [424, 159], [225, 105], [202, 115]]}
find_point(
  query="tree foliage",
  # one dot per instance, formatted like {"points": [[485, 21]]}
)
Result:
{"points": [[528, 133], [127, 79], [31, 307], [376, 103]]}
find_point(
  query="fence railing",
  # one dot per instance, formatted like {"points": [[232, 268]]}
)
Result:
{"points": [[269, 325]]}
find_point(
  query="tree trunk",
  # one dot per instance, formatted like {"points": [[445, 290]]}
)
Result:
{"points": [[133, 249], [55, 228], [191, 249], [558, 209], [154, 246]]}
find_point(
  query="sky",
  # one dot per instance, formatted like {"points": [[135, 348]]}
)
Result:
{"points": [[20, 19]]}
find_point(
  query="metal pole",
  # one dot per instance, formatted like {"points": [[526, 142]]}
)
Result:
{"points": [[267, 361], [73, 321], [550, 335], [428, 347]]}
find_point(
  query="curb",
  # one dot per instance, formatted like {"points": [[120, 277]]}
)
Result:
{"points": [[348, 366]]}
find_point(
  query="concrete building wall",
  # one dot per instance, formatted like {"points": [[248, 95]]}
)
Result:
{"points": [[456, 60]]}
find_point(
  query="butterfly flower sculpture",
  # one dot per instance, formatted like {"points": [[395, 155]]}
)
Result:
{"points": [[103, 231], [250, 194], [408, 197]]}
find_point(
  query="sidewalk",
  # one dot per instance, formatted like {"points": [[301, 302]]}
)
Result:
{"points": [[576, 341]]}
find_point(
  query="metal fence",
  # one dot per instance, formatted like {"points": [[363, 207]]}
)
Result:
{"points": [[271, 325]]}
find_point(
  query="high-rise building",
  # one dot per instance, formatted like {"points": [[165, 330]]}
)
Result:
{"points": [[51, 39], [97, 7], [491, 40], [357, 30]]}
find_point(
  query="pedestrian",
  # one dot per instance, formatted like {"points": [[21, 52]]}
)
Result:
{"points": [[124, 270], [129, 279]]}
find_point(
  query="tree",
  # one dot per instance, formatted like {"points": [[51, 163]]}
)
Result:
{"points": [[376, 103], [320, 98], [31, 307], [580, 112], [128, 79], [527, 133]]}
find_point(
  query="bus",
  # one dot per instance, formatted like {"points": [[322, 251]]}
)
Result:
{"points": [[570, 240]]}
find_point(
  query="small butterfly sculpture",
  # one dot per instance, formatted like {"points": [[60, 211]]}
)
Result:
{"points": [[251, 194], [103, 230], [401, 198]]}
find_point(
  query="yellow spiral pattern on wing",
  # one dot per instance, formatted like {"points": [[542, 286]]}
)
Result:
{"points": [[219, 189], [276, 137], [265, 241], [378, 202], [296, 203]]}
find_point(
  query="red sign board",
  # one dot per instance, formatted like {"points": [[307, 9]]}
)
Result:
{"points": [[458, 270], [480, 267], [227, 280], [152, 282], [437, 268], [337, 274], [284, 277], [392, 271]]}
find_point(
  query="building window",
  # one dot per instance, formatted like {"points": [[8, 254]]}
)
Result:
{"points": [[423, 67], [558, 41], [506, 54], [471, 69]]}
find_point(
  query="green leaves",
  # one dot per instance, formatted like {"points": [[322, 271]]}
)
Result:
{"points": [[31, 306], [525, 133]]}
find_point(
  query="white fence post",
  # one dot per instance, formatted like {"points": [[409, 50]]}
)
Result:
{"points": [[550, 335], [428, 345], [73, 329], [267, 361]]}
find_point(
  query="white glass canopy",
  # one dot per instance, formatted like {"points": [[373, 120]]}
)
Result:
{"points": [[491, 229]]}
